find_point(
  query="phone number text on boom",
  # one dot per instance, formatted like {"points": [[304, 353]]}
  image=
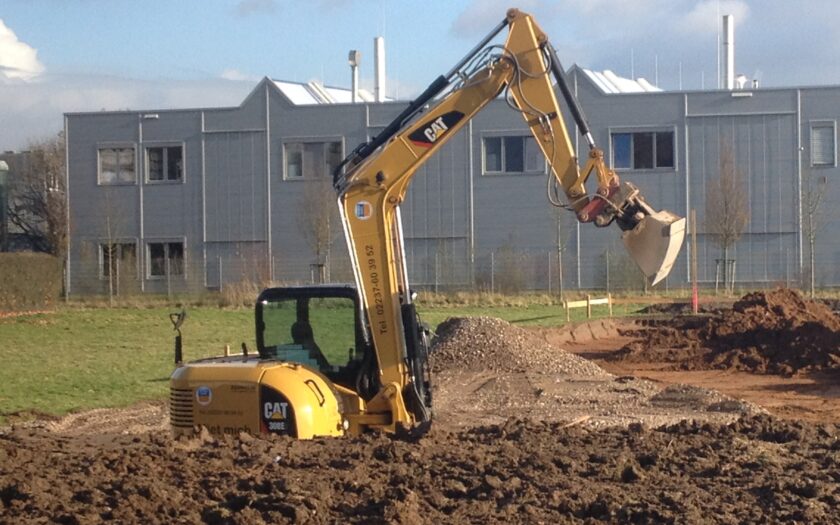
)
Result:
{"points": [[378, 305]]}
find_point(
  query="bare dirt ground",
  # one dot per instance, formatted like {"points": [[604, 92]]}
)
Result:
{"points": [[755, 470], [774, 349], [524, 433], [813, 397]]}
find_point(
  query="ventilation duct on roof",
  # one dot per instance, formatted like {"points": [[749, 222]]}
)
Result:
{"points": [[728, 52], [354, 57]]}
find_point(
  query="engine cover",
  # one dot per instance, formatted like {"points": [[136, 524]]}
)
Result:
{"points": [[231, 395]]}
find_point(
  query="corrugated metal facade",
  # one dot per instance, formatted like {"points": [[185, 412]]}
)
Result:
{"points": [[237, 212]]}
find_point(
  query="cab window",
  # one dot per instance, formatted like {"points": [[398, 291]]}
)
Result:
{"points": [[317, 332]]}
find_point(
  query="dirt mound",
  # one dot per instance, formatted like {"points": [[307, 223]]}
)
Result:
{"points": [[777, 332], [486, 343], [517, 472]]}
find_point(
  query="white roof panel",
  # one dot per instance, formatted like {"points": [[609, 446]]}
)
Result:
{"points": [[647, 85], [341, 96], [296, 93], [609, 82], [311, 93]]}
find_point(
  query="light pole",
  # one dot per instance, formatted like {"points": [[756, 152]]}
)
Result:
{"points": [[4, 197]]}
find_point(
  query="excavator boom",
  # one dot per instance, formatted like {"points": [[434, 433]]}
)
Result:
{"points": [[336, 360], [373, 180]]}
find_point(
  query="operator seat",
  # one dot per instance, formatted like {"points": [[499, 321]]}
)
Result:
{"points": [[302, 335]]}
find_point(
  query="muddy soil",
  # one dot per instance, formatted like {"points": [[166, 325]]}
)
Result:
{"points": [[812, 397], [756, 470], [524, 433], [777, 332]]}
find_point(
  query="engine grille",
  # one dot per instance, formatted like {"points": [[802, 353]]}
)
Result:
{"points": [[181, 407]]}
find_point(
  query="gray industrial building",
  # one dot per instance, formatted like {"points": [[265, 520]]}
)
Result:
{"points": [[201, 198]]}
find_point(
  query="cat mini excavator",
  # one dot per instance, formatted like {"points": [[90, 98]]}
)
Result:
{"points": [[338, 360]]}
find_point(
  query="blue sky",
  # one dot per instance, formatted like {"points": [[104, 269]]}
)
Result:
{"points": [[85, 55]]}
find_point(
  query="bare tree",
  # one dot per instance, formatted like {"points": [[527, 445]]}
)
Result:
{"points": [[564, 235], [727, 208], [38, 205], [813, 219], [318, 221], [111, 250]]}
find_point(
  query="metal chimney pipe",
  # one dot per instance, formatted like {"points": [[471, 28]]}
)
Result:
{"points": [[379, 64], [728, 52], [355, 95], [354, 58]]}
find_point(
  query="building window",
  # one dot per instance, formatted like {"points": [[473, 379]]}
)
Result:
{"points": [[643, 150], [165, 258], [116, 165], [165, 163], [823, 140], [116, 259], [311, 160], [517, 154]]}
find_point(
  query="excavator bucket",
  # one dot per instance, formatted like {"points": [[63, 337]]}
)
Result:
{"points": [[655, 243]]}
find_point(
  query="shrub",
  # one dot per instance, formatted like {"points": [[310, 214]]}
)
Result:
{"points": [[242, 293], [29, 281]]}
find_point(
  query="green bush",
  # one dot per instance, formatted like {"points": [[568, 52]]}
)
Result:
{"points": [[29, 281]]}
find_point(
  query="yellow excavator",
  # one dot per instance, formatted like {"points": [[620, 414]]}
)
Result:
{"points": [[339, 360]]}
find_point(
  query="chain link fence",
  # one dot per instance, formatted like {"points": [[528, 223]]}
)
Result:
{"points": [[504, 270]]}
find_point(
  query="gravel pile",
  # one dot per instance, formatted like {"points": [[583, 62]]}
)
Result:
{"points": [[487, 343]]}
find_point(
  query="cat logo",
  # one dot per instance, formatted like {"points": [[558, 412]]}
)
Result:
{"points": [[275, 411], [433, 130], [438, 127], [278, 415]]}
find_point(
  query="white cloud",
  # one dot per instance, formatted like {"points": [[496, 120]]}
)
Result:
{"points": [[18, 60], [482, 15], [34, 110], [704, 17], [235, 74]]}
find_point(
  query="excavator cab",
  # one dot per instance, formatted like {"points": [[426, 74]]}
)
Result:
{"points": [[316, 326]]}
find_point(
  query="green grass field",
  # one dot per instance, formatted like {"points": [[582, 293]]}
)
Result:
{"points": [[80, 358]]}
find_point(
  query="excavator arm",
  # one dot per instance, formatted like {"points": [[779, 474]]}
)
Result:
{"points": [[373, 180]]}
